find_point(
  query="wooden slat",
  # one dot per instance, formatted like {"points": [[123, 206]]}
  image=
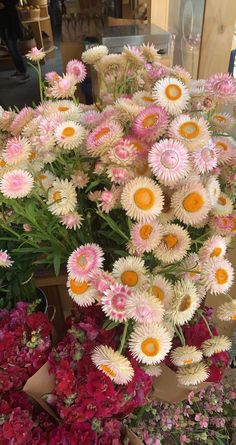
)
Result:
{"points": [[217, 34]]}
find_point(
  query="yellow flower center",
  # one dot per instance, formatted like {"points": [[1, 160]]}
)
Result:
{"points": [[222, 145], [221, 276], [32, 155], [68, 132], [102, 133], [173, 92], [144, 198], [222, 200], [78, 288], [82, 260], [56, 196], [233, 317], [188, 361], [189, 130], [129, 278], [145, 231], [170, 240], [195, 271], [193, 202], [150, 121], [62, 109], [150, 347], [2, 163], [216, 252], [148, 99], [185, 303], [234, 224], [158, 293], [108, 371], [219, 117]]}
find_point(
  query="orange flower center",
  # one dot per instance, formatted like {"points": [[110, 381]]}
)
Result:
{"points": [[148, 99], [185, 303], [141, 169], [188, 361], [193, 202], [219, 117], [189, 130], [129, 278], [150, 121], [78, 288], [145, 231], [150, 347], [233, 317], [144, 198], [2, 163], [56, 196], [108, 370], [102, 133], [173, 92], [139, 147], [158, 293], [63, 109], [32, 155], [195, 271], [234, 225], [216, 252], [222, 145], [222, 201], [68, 132], [42, 177], [221, 276], [170, 240]]}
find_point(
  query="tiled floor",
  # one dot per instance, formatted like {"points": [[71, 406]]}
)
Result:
{"points": [[12, 93]]}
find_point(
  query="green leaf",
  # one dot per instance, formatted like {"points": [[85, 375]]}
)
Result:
{"points": [[92, 185], [112, 325], [57, 263]]}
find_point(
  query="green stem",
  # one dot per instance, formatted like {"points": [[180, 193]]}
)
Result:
{"points": [[180, 334], [40, 81], [207, 325], [123, 338]]}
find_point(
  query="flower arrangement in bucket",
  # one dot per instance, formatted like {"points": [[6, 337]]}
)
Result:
{"points": [[136, 195]]}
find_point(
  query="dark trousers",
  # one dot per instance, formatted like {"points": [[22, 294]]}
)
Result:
{"points": [[13, 50]]}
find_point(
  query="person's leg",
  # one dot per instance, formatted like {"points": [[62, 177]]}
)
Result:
{"points": [[16, 56]]}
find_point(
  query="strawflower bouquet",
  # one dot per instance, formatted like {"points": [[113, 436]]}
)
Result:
{"points": [[136, 194], [25, 343], [207, 418]]}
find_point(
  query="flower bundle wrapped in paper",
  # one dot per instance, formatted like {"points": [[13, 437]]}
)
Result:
{"points": [[136, 193]]}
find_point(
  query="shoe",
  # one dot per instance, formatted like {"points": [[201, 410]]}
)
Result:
{"points": [[23, 78]]}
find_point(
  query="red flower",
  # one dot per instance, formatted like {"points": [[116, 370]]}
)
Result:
{"points": [[18, 428], [38, 320], [99, 386]]}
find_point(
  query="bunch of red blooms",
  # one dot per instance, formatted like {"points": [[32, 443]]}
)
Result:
{"points": [[85, 397], [195, 333], [24, 345]]}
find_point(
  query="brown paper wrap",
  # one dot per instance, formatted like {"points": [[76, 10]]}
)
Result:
{"points": [[134, 440]]}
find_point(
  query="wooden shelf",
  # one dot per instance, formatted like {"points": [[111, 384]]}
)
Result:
{"points": [[40, 19]]}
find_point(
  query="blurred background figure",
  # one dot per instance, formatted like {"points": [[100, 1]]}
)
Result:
{"points": [[10, 32]]}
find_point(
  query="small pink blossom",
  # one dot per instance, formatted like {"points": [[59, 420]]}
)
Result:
{"points": [[77, 69]]}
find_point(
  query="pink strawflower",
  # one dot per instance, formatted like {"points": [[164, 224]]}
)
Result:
{"points": [[62, 88], [72, 220], [101, 280], [123, 153], [114, 301], [108, 199], [35, 54], [103, 137], [16, 184], [141, 147], [203, 420], [85, 260], [168, 160], [27, 228], [17, 150], [119, 175], [150, 123], [5, 259], [222, 87], [90, 119], [226, 148], [77, 69], [51, 77], [205, 159], [157, 71], [80, 179], [223, 225], [6, 118], [21, 119]]}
